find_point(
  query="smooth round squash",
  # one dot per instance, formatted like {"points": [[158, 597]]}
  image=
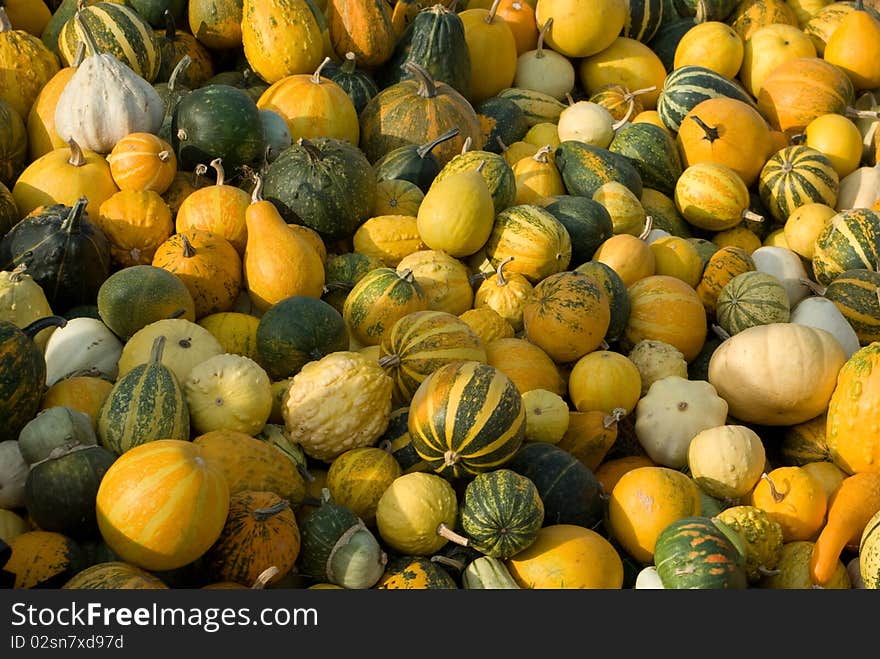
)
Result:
{"points": [[726, 461], [794, 499], [410, 510], [712, 44], [526, 364], [604, 381], [626, 62], [581, 27]]}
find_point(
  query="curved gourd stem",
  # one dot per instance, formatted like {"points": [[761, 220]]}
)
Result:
{"points": [[542, 153], [649, 224], [777, 496], [5, 23], [257, 194], [603, 344], [614, 418], [853, 113], [751, 215], [80, 54], [217, 164], [316, 76], [702, 12], [350, 63], [426, 148], [188, 250], [262, 514], [427, 87], [157, 349], [617, 125], [449, 562], [711, 132], [539, 47], [265, 577], [569, 99], [451, 535], [480, 167], [720, 332], [501, 144], [17, 272], [407, 275], [178, 71], [71, 223], [311, 150], [815, 287], [89, 40], [40, 324], [499, 271], [467, 145], [492, 11], [77, 158], [389, 361]]}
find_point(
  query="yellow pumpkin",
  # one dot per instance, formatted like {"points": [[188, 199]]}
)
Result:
{"points": [[629, 256], [677, 257], [358, 478], [444, 279], [492, 49], [527, 365], [767, 48], [838, 139], [42, 137], [804, 225], [598, 24], [136, 223], [235, 331], [388, 238], [411, 509], [627, 62], [793, 498], [537, 178], [280, 38], [854, 46], [604, 381], [505, 293], [487, 324], [711, 44]]}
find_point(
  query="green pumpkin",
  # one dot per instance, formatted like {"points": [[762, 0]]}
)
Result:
{"points": [[537, 107], [22, 374], [53, 428], [506, 120], [8, 210], [569, 490], [60, 491], [501, 513], [414, 163], [145, 404], [643, 19], [694, 553], [618, 297], [155, 10], [297, 330], [750, 299], [397, 441], [588, 224], [855, 294], [652, 152], [357, 83], [584, 168], [795, 176], [342, 272], [687, 86], [325, 184], [666, 38]]}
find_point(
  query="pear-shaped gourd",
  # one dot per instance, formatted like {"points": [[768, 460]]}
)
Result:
{"points": [[544, 70], [278, 263], [457, 214], [854, 46], [105, 100]]}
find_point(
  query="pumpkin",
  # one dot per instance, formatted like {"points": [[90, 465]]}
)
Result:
{"points": [[187, 344], [493, 53], [854, 292], [750, 299], [357, 479], [868, 552], [793, 498], [218, 208], [128, 417], [526, 364], [693, 552], [849, 241], [82, 393], [626, 62], [858, 26], [480, 442], [413, 163], [488, 573], [713, 44], [712, 196], [804, 225], [27, 64], [796, 176], [838, 139], [761, 535], [786, 267], [444, 279], [260, 531], [547, 416], [677, 257], [851, 404], [505, 293], [629, 257], [543, 69], [43, 559], [378, 300], [768, 47], [495, 170], [114, 575], [357, 82], [363, 392], [539, 242], [397, 197], [191, 498], [142, 161], [174, 44], [67, 255], [415, 573], [777, 374], [410, 511], [821, 312], [135, 223], [22, 300], [726, 461], [262, 33]]}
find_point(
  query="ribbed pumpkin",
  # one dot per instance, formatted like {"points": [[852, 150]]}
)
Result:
{"points": [[506, 293], [313, 106], [723, 265], [694, 553], [114, 575], [604, 381], [164, 522], [216, 23], [539, 243], [749, 299], [801, 89], [260, 532], [751, 15], [397, 197], [357, 82], [421, 342], [378, 300], [855, 293], [135, 223], [666, 309], [853, 442], [567, 315], [207, 264], [489, 419], [27, 65], [495, 170], [142, 161], [415, 112], [119, 30], [218, 208], [796, 176], [174, 44], [850, 241], [145, 404]]}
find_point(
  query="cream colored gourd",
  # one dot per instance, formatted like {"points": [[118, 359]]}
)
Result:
{"points": [[85, 346], [457, 213], [547, 416], [786, 266], [626, 211], [588, 122], [671, 414], [655, 360], [726, 461], [821, 312], [544, 70], [228, 392], [13, 475], [23, 301], [859, 189], [648, 579], [778, 374], [186, 345], [105, 100]]}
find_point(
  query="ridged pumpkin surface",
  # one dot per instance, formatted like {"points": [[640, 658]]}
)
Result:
{"points": [[796, 176], [26, 65], [855, 293], [379, 300], [723, 265], [850, 240], [752, 298], [466, 418], [539, 243], [114, 575]]}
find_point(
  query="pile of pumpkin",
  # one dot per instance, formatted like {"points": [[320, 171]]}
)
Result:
{"points": [[371, 294]]}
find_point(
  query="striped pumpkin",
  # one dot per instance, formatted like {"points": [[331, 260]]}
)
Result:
{"points": [[145, 404], [805, 442], [260, 532], [397, 441], [693, 552], [751, 15], [750, 299], [850, 241], [723, 265], [118, 30], [795, 176], [466, 418], [857, 294], [379, 300], [539, 243], [162, 505], [142, 161], [420, 343], [643, 18], [537, 107], [615, 289], [397, 197], [114, 575], [687, 86], [711, 196]]}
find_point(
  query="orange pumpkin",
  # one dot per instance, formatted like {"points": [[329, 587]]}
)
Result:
{"points": [[506, 293], [520, 18], [363, 27], [84, 393], [604, 381], [142, 161], [629, 256], [723, 265], [135, 223], [527, 365], [795, 499], [493, 52]]}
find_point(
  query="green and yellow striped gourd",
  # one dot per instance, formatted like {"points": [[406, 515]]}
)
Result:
{"points": [[850, 241], [857, 294], [795, 176], [380, 299], [145, 404], [750, 299]]}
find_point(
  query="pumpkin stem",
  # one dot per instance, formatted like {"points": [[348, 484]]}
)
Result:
{"points": [[467, 144], [311, 501], [501, 144], [350, 63], [476, 279], [77, 159], [170, 27], [569, 98], [711, 134], [539, 48], [767, 572], [450, 458], [157, 349], [499, 271], [482, 164], [777, 497], [17, 272], [164, 155], [853, 113], [617, 125], [427, 87], [40, 324], [265, 577], [815, 287], [449, 562], [389, 361], [71, 223], [451, 6], [257, 194], [616, 415], [262, 514], [751, 215], [80, 55], [86, 33], [217, 164], [492, 11], [188, 250], [177, 71], [603, 345], [649, 224], [720, 332], [542, 153], [451, 535], [406, 275], [316, 76], [631, 95], [426, 148], [311, 150], [702, 12]]}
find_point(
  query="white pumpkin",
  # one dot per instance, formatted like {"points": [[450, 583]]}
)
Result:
{"points": [[648, 579], [726, 461], [186, 345], [105, 100], [23, 301], [13, 475], [787, 266], [859, 189], [671, 414], [820, 312], [544, 70], [83, 346], [228, 392], [588, 122]]}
